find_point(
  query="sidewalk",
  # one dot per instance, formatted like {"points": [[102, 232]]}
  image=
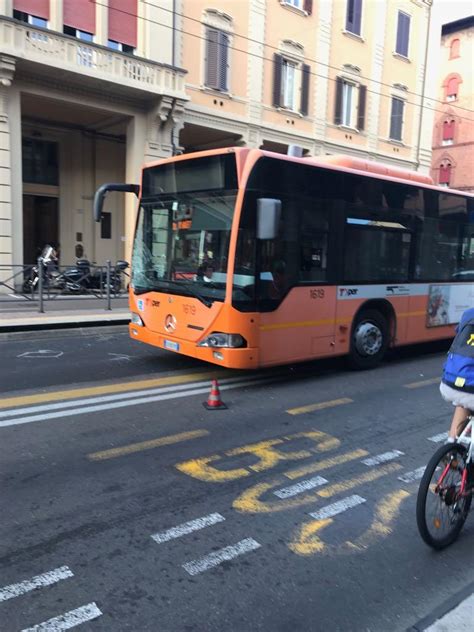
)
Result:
{"points": [[457, 613], [23, 315]]}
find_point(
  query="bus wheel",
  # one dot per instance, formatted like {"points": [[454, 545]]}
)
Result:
{"points": [[369, 340]]}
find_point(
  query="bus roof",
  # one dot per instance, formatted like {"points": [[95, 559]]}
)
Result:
{"points": [[338, 162]]}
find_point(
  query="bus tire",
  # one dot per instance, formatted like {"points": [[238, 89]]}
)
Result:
{"points": [[369, 339]]}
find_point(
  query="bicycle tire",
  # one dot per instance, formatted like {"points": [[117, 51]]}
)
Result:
{"points": [[459, 512]]}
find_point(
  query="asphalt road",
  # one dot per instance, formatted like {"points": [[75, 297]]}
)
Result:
{"points": [[126, 505]]}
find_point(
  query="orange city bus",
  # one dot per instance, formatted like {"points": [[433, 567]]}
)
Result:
{"points": [[247, 258]]}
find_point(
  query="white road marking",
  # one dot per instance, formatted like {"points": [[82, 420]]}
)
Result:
{"points": [[46, 579], [217, 557], [68, 620], [81, 410], [41, 353], [442, 436], [299, 488], [338, 507], [187, 527], [382, 458], [15, 412], [410, 477]]}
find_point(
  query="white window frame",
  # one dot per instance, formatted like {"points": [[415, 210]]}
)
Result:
{"points": [[289, 84], [348, 103]]}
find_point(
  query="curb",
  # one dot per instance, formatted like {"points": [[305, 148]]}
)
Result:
{"points": [[447, 606], [76, 324]]}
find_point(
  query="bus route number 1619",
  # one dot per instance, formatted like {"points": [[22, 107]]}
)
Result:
{"points": [[316, 292]]}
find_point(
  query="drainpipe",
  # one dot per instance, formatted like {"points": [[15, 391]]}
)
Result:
{"points": [[423, 89], [173, 63]]}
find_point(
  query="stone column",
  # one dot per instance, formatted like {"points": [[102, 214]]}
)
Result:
{"points": [[6, 8], [7, 70], [56, 16], [101, 22], [136, 135]]}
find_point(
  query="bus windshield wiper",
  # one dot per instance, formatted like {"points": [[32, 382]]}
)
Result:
{"points": [[191, 290]]}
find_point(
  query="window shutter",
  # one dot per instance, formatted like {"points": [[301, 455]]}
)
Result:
{"points": [[123, 21], [452, 89], [308, 6], [305, 74], [38, 8], [79, 14], [353, 16], [445, 174], [403, 30], [223, 60], [277, 65], [448, 130], [212, 44], [357, 15], [361, 107], [338, 106]]}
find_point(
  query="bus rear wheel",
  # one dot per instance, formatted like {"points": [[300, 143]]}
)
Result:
{"points": [[369, 339]]}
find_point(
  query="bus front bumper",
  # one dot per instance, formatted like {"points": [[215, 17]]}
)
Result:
{"points": [[245, 358]]}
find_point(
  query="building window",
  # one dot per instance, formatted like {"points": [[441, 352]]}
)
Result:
{"points": [[290, 79], [30, 19], [403, 34], [350, 104], [454, 49], [303, 5], [217, 60], [396, 119], [40, 161], [124, 48], [452, 88], [448, 132], [82, 35], [445, 174], [353, 16]]}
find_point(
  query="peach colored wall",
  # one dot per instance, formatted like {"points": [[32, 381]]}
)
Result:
{"points": [[193, 26]]}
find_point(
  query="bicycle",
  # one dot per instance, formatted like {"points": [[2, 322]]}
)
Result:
{"points": [[446, 489]]}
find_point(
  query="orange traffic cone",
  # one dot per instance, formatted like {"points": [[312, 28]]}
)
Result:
{"points": [[214, 401]]}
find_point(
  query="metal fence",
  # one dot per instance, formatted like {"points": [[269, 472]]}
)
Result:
{"points": [[42, 283]]}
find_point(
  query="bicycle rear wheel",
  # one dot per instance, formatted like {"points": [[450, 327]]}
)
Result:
{"points": [[440, 510]]}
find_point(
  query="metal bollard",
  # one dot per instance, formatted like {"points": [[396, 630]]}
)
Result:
{"points": [[40, 284], [107, 283]]}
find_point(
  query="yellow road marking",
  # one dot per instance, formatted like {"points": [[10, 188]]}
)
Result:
{"points": [[269, 456], [24, 400], [307, 541], [249, 501], [385, 514], [433, 380], [146, 445], [320, 406], [368, 477], [325, 464]]}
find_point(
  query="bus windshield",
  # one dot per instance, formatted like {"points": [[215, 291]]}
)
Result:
{"points": [[183, 231]]}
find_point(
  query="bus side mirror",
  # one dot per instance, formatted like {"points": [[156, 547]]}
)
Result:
{"points": [[268, 218], [102, 191]]}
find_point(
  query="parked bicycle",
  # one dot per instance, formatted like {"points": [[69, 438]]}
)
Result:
{"points": [[446, 489]]}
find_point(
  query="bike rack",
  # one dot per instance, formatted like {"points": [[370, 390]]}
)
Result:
{"points": [[43, 293]]}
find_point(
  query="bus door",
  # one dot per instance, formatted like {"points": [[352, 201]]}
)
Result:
{"points": [[297, 305]]}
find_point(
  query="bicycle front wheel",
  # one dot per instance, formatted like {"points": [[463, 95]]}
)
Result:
{"points": [[441, 508]]}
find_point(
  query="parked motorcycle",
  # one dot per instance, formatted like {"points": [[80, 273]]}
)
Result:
{"points": [[76, 279]]}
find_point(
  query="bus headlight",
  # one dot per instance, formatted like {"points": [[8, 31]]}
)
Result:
{"points": [[217, 339], [136, 320]]}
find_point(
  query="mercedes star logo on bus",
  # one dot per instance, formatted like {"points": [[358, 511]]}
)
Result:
{"points": [[170, 323]]}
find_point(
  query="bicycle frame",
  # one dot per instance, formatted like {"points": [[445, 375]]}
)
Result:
{"points": [[466, 438]]}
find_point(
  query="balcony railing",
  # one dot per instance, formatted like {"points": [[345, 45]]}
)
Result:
{"points": [[62, 51]]}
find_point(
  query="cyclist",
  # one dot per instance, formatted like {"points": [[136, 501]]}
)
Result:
{"points": [[457, 382]]}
